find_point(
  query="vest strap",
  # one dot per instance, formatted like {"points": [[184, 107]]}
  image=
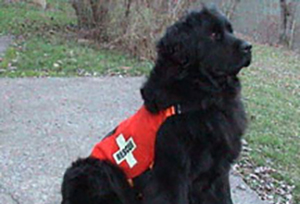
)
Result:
{"points": [[176, 109]]}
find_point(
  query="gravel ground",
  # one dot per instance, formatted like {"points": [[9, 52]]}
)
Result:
{"points": [[47, 123]]}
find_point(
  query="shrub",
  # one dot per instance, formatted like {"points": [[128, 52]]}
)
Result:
{"points": [[130, 25]]}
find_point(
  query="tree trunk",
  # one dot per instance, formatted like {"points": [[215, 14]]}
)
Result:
{"points": [[100, 9], [91, 13], [84, 13], [288, 22], [284, 13]]}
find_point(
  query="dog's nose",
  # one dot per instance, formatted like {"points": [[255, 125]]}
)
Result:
{"points": [[246, 47]]}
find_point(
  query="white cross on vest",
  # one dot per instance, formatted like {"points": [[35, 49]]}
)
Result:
{"points": [[125, 151]]}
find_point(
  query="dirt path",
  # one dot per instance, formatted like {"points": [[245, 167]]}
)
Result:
{"points": [[47, 123]]}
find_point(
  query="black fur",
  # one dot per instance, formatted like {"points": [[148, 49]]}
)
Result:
{"points": [[198, 61]]}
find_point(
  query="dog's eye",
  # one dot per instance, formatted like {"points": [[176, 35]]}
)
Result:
{"points": [[216, 36]]}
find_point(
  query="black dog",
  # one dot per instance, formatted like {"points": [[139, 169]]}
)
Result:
{"points": [[195, 73]]}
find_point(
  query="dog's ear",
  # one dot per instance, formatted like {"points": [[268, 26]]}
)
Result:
{"points": [[150, 98], [174, 46], [173, 59], [193, 19], [170, 42]]}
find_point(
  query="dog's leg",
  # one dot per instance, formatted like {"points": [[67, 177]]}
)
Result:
{"points": [[169, 182], [91, 181], [212, 191], [220, 188]]}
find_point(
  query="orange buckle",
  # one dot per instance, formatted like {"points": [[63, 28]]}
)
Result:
{"points": [[170, 111]]}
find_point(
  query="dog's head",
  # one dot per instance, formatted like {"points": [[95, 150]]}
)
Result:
{"points": [[203, 43], [197, 55]]}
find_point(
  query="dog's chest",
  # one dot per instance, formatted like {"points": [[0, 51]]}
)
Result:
{"points": [[214, 138]]}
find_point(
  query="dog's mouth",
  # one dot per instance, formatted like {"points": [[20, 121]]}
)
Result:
{"points": [[247, 60], [235, 70], [245, 63]]}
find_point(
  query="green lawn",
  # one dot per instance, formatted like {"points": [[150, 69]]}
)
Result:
{"points": [[272, 97], [271, 85], [48, 47], [38, 56], [25, 19]]}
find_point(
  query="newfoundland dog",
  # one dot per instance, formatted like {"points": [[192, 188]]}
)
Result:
{"points": [[179, 146]]}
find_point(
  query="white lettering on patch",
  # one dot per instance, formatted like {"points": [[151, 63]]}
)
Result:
{"points": [[125, 151]]}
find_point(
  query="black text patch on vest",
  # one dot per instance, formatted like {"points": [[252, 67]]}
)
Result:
{"points": [[125, 151]]}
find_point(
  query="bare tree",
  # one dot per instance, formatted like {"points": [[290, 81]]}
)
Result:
{"points": [[231, 7], [288, 22], [91, 13], [128, 6], [84, 13]]}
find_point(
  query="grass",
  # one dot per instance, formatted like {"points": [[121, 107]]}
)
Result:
{"points": [[23, 18], [272, 92], [52, 57], [271, 84], [46, 48]]}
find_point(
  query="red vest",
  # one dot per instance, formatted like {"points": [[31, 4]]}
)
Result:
{"points": [[131, 146]]}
